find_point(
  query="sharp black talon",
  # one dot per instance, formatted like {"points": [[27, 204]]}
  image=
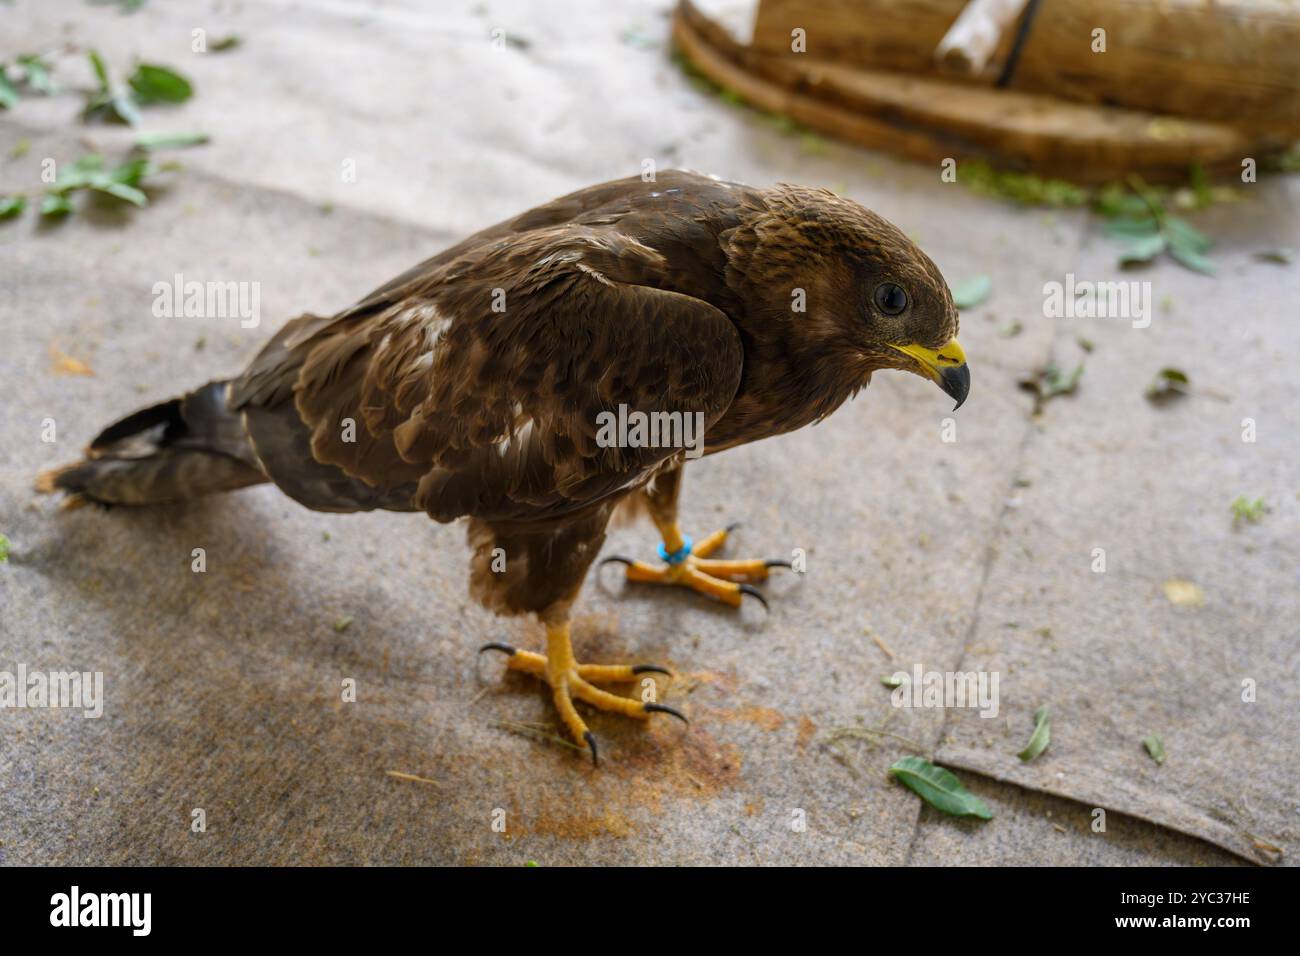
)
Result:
{"points": [[775, 563], [731, 527], [498, 646], [651, 669], [591, 742], [662, 709], [615, 558], [754, 592]]}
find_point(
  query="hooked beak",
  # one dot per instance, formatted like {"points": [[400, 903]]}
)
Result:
{"points": [[947, 367]]}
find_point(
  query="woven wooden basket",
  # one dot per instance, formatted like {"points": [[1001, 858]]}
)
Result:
{"points": [[1023, 86]]}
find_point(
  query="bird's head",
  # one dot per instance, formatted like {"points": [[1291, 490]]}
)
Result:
{"points": [[860, 295]]}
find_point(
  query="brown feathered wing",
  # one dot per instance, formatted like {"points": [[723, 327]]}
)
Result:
{"points": [[474, 386]]}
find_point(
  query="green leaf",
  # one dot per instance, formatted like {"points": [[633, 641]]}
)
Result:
{"points": [[88, 163], [1155, 748], [1142, 250], [1042, 736], [56, 204], [148, 141], [4, 548], [1189, 257], [1061, 383], [1144, 218], [158, 84], [37, 74], [1169, 383], [1182, 232], [121, 191], [11, 206], [1126, 228], [124, 109], [1047, 383], [1243, 509], [971, 292], [149, 83], [132, 171], [1281, 255], [1200, 183], [1115, 200], [8, 92], [892, 680], [228, 42], [1192, 259], [113, 105], [635, 36], [101, 70], [87, 172], [939, 788], [1052, 382], [1188, 245], [78, 174]]}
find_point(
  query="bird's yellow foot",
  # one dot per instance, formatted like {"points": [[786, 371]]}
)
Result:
{"points": [[572, 681], [688, 564]]}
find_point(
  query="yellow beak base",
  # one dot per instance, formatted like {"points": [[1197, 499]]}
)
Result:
{"points": [[946, 366]]}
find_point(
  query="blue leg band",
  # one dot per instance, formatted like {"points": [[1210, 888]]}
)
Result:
{"points": [[678, 556]]}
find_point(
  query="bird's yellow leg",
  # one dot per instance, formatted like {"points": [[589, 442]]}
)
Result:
{"points": [[569, 680], [689, 565]]}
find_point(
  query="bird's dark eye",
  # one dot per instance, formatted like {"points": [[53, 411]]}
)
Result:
{"points": [[890, 298]]}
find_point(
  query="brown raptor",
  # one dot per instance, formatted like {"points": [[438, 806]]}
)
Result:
{"points": [[482, 384]]}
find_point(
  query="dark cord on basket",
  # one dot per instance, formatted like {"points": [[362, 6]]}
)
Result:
{"points": [[1022, 34]]}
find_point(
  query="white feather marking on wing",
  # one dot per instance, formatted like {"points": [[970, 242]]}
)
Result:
{"points": [[517, 436]]}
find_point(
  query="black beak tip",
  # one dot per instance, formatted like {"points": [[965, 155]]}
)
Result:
{"points": [[956, 382]]}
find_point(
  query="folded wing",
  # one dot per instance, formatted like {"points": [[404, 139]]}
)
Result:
{"points": [[476, 387]]}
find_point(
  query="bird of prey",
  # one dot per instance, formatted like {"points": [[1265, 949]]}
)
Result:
{"points": [[479, 385]]}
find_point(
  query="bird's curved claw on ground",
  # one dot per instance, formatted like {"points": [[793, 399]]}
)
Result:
{"points": [[498, 646], [639, 669], [665, 709], [590, 738], [755, 593]]}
